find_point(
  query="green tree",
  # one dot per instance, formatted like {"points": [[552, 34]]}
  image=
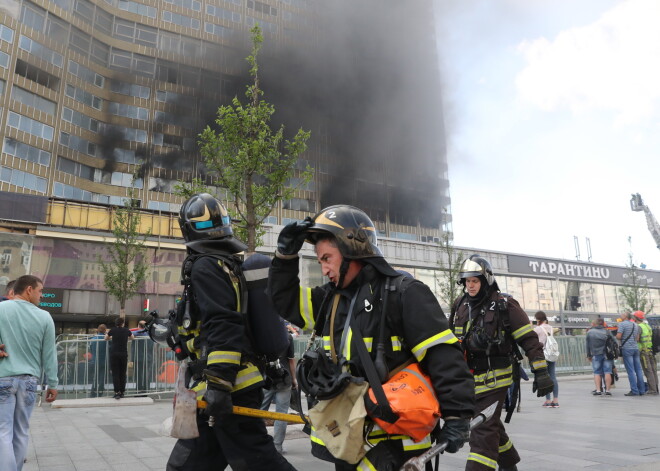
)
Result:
{"points": [[635, 295], [253, 163], [126, 269], [450, 264]]}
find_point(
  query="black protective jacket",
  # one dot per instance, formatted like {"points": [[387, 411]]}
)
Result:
{"points": [[418, 330], [476, 322], [221, 330]]}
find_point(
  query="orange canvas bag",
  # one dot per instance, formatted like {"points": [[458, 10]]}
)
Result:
{"points": [[412, 398]]}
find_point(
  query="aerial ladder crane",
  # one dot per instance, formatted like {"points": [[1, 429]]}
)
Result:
{"points": [[636, 204]]}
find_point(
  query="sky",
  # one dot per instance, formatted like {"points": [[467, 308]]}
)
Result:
{"points": [[552, 121]]}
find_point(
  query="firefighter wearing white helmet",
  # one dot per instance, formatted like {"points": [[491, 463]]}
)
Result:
{"points": [[491, 326], [354, 300]]}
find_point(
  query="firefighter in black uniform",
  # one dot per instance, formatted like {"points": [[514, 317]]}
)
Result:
{"points": [[346, 247], [216, 341], [489, 326]]}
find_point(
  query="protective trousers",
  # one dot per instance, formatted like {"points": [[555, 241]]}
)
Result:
{"points": [[650, 368], [489, 444], [236, 441]]}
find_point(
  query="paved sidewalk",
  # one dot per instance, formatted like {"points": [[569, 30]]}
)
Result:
{"points": [[586, 432]]}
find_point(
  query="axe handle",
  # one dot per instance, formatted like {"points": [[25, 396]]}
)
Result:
{"points": [[264, 414]]}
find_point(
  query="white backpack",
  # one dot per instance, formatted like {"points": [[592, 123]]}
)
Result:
{"points": [[551, 347]]}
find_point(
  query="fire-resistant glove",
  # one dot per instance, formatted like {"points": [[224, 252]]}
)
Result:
{"points": [[456, 431], [292, 236], [218, 402], [542, 382]]}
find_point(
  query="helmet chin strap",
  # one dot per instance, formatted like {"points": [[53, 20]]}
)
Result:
{"points": [[343, 268]]}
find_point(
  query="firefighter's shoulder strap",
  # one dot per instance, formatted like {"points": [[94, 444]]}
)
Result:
{"points": [[454, 308], [515, 396]]}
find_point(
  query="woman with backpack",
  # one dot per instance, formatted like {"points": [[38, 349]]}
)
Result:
{"points": [[545, 331]]}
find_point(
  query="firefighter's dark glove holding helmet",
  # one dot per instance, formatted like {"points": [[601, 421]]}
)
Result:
{"points": [[542, 382], [292, 236], [217, 396], [456, 431]]}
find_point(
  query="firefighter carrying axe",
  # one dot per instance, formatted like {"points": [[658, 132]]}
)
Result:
{"points": [[264, 414], [418, 463]]}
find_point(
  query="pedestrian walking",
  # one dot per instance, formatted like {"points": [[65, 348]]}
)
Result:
{"points": [[544, 330], [28, 335]]}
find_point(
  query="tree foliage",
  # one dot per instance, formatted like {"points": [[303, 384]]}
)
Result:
{"points": [[245, 157], [126, 269], [635, 295], [450, 264]]}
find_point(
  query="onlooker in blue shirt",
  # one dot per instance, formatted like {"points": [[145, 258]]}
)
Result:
{"points": [[29, 335], [629, 335], [602, 366]]}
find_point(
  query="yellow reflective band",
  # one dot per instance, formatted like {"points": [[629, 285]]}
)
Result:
{"points": [[369, 342], [237, 290], [306, 307], [539, 364], [314, 438], [410, 445], [190, 345], [446, 336], [326, 343], [493, 379], [365, 465], [483, 460], [507, 446], [396, 344], [233, 358], [247, 377], [526, 329], [347, 347], [200, 390], [458, 330]]}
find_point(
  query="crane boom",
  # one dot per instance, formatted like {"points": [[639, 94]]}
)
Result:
{"points": [[636, 204]]}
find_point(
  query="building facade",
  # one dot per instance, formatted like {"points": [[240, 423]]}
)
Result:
{"points": [[103, 97]]}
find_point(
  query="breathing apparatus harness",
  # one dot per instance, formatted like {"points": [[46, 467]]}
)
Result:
{"points": [[321, 377], [476, 339]]}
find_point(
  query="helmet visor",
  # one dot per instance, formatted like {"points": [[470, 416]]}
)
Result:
{"points": [[471, 268]]}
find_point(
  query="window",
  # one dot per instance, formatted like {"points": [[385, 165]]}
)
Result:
{"points": [[75, 168], [217, 30], [80, 119], [299, 204], [26, 152], [223, 14], [84, 97], [128, 111], [86, 74], [41, 51], [23, 179], [37, 75], [130, 89], [6, 34], [78, 143], [190, 4], [30, 126], [180, 20], [84, 10], [103, 21], [127, 134], [4, 60], [262, 7], [138, 8], [33, 100], [125, 180], [33, 16], [71, 192]]}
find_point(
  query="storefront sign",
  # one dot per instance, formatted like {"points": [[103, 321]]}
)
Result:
{"points": [[567, 270], [51, 300]]}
